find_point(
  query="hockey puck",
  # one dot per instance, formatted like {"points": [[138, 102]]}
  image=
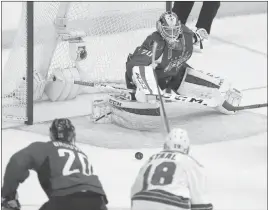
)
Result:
{"points": [[138, 155]]}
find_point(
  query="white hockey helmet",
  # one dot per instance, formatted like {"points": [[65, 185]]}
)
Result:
{"points": [[177, 140]]}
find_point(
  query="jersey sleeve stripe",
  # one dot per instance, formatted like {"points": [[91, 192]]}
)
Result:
{"points": [[163, 197], [202, 206]]}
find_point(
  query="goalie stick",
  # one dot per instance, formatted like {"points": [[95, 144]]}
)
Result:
{"points": [[164, 115], [239, 108], [169, 97], [95, 85]]}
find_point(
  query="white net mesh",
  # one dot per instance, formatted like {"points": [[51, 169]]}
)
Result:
{"points": [[113, 29], [14, 76]]}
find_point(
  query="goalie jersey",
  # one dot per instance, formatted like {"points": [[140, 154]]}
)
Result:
{"points": [[170, 60], [173, 179]]}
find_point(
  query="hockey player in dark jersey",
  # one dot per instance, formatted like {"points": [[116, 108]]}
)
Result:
{"points": [[174, 48], [65, 173]]}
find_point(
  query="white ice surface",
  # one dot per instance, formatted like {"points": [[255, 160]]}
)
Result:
{"points": [[237, 170]]}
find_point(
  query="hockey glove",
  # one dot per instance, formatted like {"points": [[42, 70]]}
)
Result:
{"points": [[10, 203], [200, 35]]}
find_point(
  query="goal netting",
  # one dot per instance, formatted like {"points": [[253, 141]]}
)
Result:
{"points": [[113, 30]]}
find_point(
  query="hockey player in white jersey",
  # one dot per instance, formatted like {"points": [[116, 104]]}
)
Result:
{"points": [[171, 179]]}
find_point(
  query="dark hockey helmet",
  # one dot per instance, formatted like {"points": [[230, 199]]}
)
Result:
{"points": [[169, 27], [62, 130]]}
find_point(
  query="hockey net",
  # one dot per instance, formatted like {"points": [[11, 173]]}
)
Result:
{"points": [[113, 30]]}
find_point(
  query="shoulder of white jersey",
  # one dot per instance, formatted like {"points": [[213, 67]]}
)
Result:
{"points": [[187, 157], [195, 161]]}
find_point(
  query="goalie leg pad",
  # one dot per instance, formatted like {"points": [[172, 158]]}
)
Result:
{"points": [[143, 78], [205, 85], [101, 111], [199, 84], [134, 115]]}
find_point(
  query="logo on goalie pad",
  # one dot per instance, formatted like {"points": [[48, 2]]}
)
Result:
{"points": [[140, 80], [115, 103], [189, 99]]}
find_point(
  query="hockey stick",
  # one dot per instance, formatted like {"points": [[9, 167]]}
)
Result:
{"points": [[210, 103], [92, 84], [100, 85], [239, 108], [169, 97], [164, 116], [228, 107]]}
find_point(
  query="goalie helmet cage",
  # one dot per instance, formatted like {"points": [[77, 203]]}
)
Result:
{"points": [[37, 47]]}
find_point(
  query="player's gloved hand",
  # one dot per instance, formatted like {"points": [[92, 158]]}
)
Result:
{"points": [[10, 203], [231, 97], [200, 35]]}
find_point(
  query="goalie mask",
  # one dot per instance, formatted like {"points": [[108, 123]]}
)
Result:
{"points": [[62, 130], [177, 140], [169, 27]]}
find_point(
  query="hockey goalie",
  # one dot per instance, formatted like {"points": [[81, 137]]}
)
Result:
{"points": [[174, 76]]}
